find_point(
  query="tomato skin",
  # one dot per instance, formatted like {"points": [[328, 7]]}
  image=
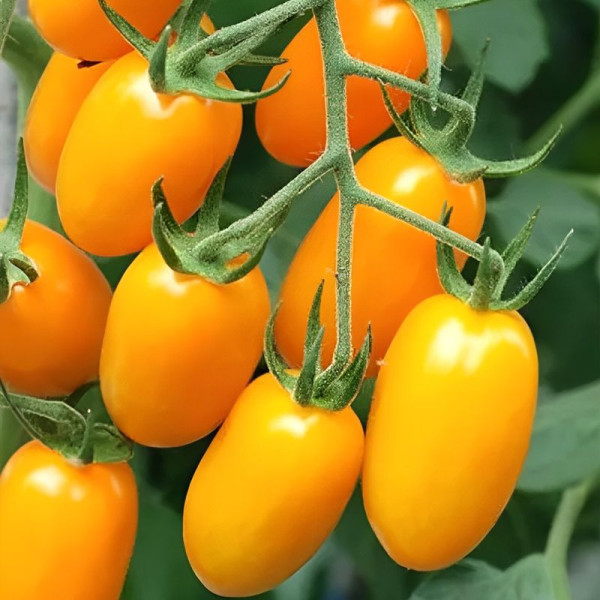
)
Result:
{"points": [[269, 490], [81, 30], [67, 530], [291, 123], [59, 94], [123, 139], [178, 350], [394, 265], [449, 430], [52, 329]]}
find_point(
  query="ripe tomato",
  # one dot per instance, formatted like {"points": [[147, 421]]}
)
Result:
{"points": [[270, 489], [178, 350], [291, 123], [59, 94], [67, 530], [394, 265], [52, 329], [81, 30], [448, 431], [124, 138]]}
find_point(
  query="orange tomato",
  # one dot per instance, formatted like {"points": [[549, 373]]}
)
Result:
{"points": [[394, 265], [67, 530], [178, 350], [52, 329], [59, 94], [124, 138], [269, 490], [448, 431], [81, 30], [291, 123]]}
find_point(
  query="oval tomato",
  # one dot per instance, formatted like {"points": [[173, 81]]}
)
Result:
{"points": [[52, 329], [57, 99], [448, 431], [124, 138], [81, 30], [394, 265], [178, 350], [269, 490], [67, 530], [291, 124]]}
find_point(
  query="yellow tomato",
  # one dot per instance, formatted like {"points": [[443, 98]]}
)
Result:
{"points": [[448, 431], [270, 489], [66, 531]]}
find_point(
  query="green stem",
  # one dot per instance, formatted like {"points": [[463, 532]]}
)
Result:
{"points": [[563, 525]]}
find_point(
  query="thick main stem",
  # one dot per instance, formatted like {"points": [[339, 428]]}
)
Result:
{"points": [[570, 507]]}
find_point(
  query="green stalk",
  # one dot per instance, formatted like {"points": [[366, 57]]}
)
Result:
{"points": [[563, 525]]}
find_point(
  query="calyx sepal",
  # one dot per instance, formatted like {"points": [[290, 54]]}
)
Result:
{"points": [[191, 64], [494, 271], [16, 268], [307, 386], [448, 143], [76, 426]]}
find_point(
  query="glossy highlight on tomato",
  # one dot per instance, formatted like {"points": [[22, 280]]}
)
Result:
{"points": [[448, 431], [269, 490], [291, 123], [52, 329], [61, 90], [81, 30], [178, 350], [67, 530], [394, 264], [124, 138]]}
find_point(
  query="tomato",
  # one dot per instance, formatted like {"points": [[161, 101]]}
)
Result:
{"points": [[124, 138], [52, 329], [59, 94], [178, 350], [269, 490], [291, 124], [394, 265], [81, 30], [67, 530], [448, 431]]}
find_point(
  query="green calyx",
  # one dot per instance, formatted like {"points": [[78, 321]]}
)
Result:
{"points": [[195, 247], [309, 387], [192, 63], [448, 143], [16, 268], [494, 271], [76, 426]]}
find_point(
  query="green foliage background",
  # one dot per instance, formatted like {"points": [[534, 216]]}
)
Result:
{"points": [[543, 69]]}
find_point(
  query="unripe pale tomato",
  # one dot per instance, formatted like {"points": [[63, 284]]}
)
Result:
{"points": [[394, 265], [270, 489], [81, 30], [178, 350], [448, 431], [291, 124], [124, 138], [52, 329], [57, 99], [67, 530]]}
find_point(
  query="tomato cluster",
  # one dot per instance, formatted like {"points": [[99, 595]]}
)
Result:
{"points": [[175, 351]]}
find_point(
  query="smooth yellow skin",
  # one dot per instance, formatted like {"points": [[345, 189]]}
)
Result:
{"points": [[448, 431], [66, 531], [270, 489], [178, 350]]}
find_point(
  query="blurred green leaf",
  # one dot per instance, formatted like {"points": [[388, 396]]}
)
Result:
{"points": [[528, 579], [7, 8], [562, 208], [518, 35], [565, 447]]}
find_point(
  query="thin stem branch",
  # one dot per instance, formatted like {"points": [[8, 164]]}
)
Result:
{"points": [[557, 547]]}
